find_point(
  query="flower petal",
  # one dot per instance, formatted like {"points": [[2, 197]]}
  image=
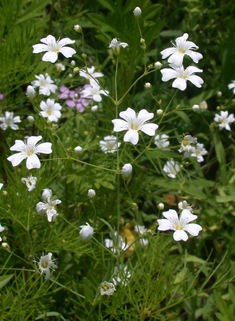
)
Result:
{"points": [[193, 229], [131, 136], [179, 83], [33, 162], [171, 215], [50, 56], [67, 51], [149, 129], [168, 74], [196, 80], [16, 159], [180, 235], [120, 125], [39, 48], [33, 140], [44, 148], [164, 225], [187, 216]]}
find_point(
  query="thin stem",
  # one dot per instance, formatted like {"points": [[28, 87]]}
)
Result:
{"points": [[65, 287]]}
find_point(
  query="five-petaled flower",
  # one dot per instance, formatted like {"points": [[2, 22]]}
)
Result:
{"points": [[116, 44], [179, 224], [30, 182], [49, 207], [198, 151], [109, 144], [186, 145], [53, 48], [9, 121], [182, 48], [90, 74], [161, 141], [134, 123], [45, 84], [107, 288], [50, 110], [45, 264], [171, 168], [94, 91], [182, 75], [29, 150], [224, 120]]}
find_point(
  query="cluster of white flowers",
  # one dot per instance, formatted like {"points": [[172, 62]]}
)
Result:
{"points": [[117, 244], [121, 275], [48, 206], [192, 151], [176, 55], [142, 231], [201, 107]]}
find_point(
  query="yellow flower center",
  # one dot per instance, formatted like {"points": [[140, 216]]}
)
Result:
{"points": [[133, 126], [105, 287], [44, 264], [49, 112], [185, 142]]}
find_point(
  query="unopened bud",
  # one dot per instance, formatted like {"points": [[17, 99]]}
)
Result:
{"points": [[30, 119], [147, 85], [30, 92], [84, 56], [137, 12], [159, 112], [94, 108], [73, 63], [158, 65], [195, 107], [78, 150], [91, 193], [161, 206], [75, 70], [77, 28], [126, 170]]}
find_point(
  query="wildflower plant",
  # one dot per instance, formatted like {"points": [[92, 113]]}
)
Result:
{"points": [[119, 166]]}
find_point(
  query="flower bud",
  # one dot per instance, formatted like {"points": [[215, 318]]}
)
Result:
{"points": [[91, 193], [147, 85], [75, 70], [73, 63], [70, 75], [94, 108], [158, 65], [30, 92], [159, 112], [137, 12], [86, 232], [161, 206], [76, 96], [195, 107], [219, 93], [126, 170], [30, 119], [78, 150], [77, 28], [6, 246]]}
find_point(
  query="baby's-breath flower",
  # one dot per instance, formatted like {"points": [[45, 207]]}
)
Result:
{"points": [[109, 144], [9, 121], [94, 92], [30, 182], [161, 141], [198, 151], [49, 206], [185, 206], [141, 229], [232, 86], [54, 47], [1, 230], [45, 264], [121, 275], [179, 225], [171, 168], [107, 288], [186, 145], [90, 74], [224, 120], [45, 84], [1, 185], [203, 105], [94, 108], [50, 110], [116, 44], [60, 66]]}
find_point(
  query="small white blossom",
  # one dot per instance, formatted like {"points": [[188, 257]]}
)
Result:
{"points": [[186, 145], [171, 168], [115, 45], [143, 242], [60, 66], [182, 75], [232, 86], [224, 120], [203, 105], [158, 65], [161, 141], [127, 170], [196, 108], [185, 206], [134, 123], [30, 119], [30, 182], [94, 91], [30, 92], [45, 84], [179, 225], [86, 232], [77, 28], [121, 275], [117, 244], [91, 193], [109, 144], [182, 48], [137, 12], [45, 264], [9, 121], [141, 229], [50, 110], [107, 288], [29, 150], [48, 207], [198, 152], [1, 230], [78, 150], [90, 74], [54, 47]]}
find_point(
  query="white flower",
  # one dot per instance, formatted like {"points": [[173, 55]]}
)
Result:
{"points": [[77, 28], [186, 145], [107, 288], [29, 151], [30, 182], [161, 141], [86, 232], [30, 92], [90, 73], [158, 65], [198, 152], [171, 168], [109, 144], [232, 86], [78, 150], [30, 119], [133, 123], [50, 110], [9, 121], [1, 185], [137, 11], [224, 120], [117, 244], [182, 76], [91, 193], [60, 66], [115, 45], [121, 275], [203, 105], [45, 84], [126, 170], [49, 207], [182, 47], [53, 48], [179, 225], [143, 242], [94, 91], [45, 264], [141, 229], [1, 230], [196, 108], [185, 206]]}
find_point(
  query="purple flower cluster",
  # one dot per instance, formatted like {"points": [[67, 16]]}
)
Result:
{"points": [[75, 97]]}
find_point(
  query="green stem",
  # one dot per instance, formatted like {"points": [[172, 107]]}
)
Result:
{"points": [[65, 287]]}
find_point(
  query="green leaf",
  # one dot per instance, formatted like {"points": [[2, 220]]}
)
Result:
{"points": [[50, 314], [225, 199], [5, 279], [88, 293]]}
